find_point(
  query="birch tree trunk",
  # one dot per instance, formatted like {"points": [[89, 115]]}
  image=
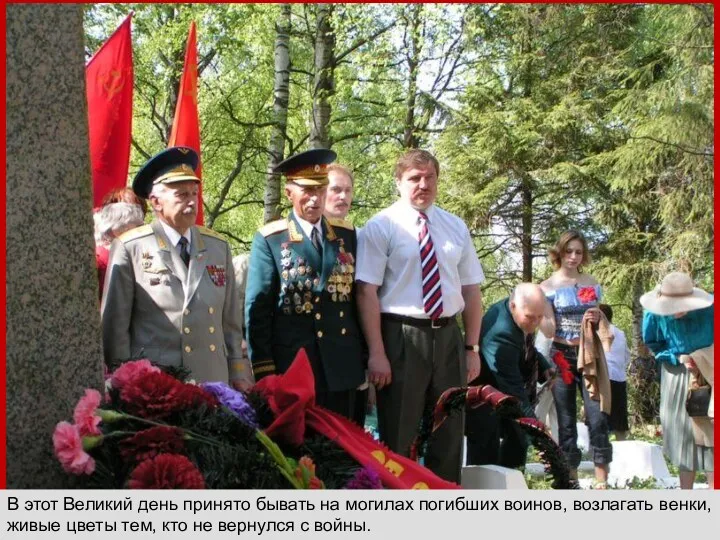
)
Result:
{"points": [[281, 94], [324, 83], [410, 139]]}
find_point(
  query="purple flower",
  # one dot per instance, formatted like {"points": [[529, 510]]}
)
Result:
{"points": [[233, 400], [364, 478]]}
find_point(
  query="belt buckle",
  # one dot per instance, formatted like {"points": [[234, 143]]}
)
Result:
{"points": [[435, 324]]}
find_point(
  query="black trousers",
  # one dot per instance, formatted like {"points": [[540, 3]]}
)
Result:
{"points": [[342, 402], [360, 409], [494, 441]]}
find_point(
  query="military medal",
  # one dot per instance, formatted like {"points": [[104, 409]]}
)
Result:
{"points": [[293, 273], [217, 274], [308, 307], [308, 283], [286, 262], [284, 274]]}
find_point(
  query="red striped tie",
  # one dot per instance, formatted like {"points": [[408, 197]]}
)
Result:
{"points": [[432, 292]]}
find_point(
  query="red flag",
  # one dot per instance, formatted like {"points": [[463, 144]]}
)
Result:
{"points": [[186, 125], [109, 80]]}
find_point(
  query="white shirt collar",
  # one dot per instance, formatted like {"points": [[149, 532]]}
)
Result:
{"points": [[412, 214], [307, 227], [174, 236]]}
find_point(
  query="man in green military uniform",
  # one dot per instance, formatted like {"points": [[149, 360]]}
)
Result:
{"points": [[300, 290], [511, 364]]}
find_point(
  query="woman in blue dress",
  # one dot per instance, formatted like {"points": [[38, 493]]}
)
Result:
{"points": [[571, 293], [678, 321]]}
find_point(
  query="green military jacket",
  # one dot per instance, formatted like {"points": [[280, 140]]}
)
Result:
{"points": [[297, 299], [502, 351]]}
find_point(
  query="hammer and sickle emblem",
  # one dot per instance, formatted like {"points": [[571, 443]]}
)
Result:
{"points": [[113, 82]]}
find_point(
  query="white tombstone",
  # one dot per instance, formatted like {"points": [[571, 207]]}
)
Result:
{"points": [[583, 440], [492, 477], [546, 412], [637, 458]]}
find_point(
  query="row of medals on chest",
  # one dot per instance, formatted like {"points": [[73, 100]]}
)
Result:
{"points": [[299, 291]]}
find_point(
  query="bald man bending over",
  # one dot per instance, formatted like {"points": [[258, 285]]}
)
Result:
{"points": [[511, 364]]}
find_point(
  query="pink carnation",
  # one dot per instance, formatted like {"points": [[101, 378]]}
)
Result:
{"points": [[69, 450], [84, 416], [129, 371]]}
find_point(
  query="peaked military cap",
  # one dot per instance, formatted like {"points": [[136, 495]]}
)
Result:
{"points": [[175, 164], [307, 168]]}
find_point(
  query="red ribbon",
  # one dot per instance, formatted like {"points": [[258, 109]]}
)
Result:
{"points": [[291, 397]]}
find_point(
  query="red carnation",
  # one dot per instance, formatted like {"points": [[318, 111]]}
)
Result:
{"points": [[149, 443], [587, 295], [564, 367], [166, 471], [157, 395], [193, 396]]}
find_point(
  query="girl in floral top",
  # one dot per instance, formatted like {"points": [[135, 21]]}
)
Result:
{"points": [[572, 294]]}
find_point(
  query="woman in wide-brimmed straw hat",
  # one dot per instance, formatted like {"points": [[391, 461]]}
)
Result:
{"points": [[678, 323]]}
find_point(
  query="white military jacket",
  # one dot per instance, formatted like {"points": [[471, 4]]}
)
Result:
{"points": [[154, 307]]}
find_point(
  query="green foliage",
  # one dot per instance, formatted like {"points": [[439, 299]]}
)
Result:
{"points": [[544, 117]]}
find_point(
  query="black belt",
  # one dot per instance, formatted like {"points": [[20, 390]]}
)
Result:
{"points": [[421, 323]]}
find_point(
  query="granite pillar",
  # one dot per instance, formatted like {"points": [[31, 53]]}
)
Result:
{"points": [[54, 347]]}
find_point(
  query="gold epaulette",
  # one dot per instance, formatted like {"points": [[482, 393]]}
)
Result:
{"points": [[274, 227], [210, 232], [336, 222], [137, 232]]}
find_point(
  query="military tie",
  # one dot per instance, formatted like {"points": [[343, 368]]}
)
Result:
{"points": [[184, 251], [315, 238], [432, 292]]}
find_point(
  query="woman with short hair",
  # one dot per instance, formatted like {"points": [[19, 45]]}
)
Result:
{"points": [[111, 221]]}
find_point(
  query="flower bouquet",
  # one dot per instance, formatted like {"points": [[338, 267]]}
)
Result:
{"points": [[154, 430]]}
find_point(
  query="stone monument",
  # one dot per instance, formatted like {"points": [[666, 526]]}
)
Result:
{"points": [[54, 347]]}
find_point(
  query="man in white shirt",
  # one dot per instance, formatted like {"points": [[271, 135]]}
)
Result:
{"points": [[417, 270], [617, 361]]}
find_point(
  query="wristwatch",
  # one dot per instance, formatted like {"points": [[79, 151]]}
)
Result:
{"points": [[473, 348]]}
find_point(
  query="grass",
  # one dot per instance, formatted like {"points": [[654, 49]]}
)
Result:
{"points": [[648, 432]]}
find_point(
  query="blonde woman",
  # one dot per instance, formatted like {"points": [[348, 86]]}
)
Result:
{"points": [[574, 295]]}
